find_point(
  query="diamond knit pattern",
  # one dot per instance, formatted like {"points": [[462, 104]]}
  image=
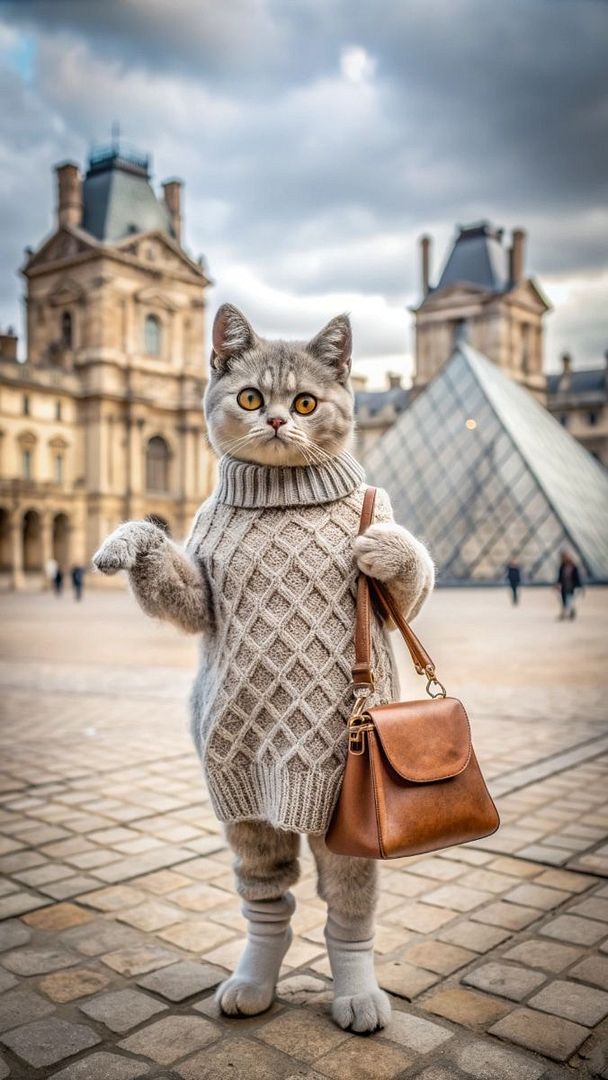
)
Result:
{"points": [[272, 698]]}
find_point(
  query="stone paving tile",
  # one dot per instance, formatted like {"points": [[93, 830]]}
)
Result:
{"points": [[38, 961], [474, 936], [438, 956], [115, 897], [59, 917], [182, 980], [101, 937], [485, 1061], [466, 1007], [103, 1066], [360, 1059], [591, 908], [506, 980], [305, 1036], [547, 955], [63, 986], [536, 896], [45, 1042], [420, 917], [239, 1059], [12, 934], [509, 916], [551, 1036], [593, 969], [18, 903], [573, 1001], [121, 1010], [415, 1032], [138, 959], [151, 915], [172, 1038], [19, 1005], [574, 929], [196, 935], [403, 979]]}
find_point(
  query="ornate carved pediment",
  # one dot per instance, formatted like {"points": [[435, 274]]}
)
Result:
{"points": [[64, 244], [158, 251], [26, 439], [152, 296], [67, 291], [58, 443]]}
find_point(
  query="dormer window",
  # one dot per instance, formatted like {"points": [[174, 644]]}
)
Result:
{"points": [[152, 335], [66, 330]]}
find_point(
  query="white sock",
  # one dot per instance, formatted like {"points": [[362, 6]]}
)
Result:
{"points": [[359, 1003], [251, 989]]}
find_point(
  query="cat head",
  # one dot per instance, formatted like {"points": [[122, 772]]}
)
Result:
{"points": [[279, 402]]}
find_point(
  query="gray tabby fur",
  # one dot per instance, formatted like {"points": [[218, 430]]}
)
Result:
{"points": [[169, 585]]}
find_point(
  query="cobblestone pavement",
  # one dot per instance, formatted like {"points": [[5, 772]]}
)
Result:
{"points": [[117, 912]]}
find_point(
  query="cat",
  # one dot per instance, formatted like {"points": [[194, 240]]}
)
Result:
{"points": [[268, 578]]}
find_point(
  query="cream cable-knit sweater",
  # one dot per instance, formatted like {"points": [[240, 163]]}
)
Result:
{"points": [[272, 697]]}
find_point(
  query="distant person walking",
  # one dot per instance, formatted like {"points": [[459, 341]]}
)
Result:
{"points": [[51, 571], [514, 579], [58, 581], [568, 581], [77, 581]]}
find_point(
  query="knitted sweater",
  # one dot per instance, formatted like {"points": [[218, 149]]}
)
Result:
{"points": [[272, 697]]}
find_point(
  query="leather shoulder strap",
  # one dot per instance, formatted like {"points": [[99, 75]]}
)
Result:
{"points": [[363, 675]]}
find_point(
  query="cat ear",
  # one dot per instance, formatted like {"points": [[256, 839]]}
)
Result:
{"points": [[232, 335], [333, 345]]}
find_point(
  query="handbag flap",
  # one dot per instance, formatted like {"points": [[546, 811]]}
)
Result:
{"points": [[424, 740]]}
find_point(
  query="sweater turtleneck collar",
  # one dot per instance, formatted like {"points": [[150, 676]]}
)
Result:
{"points": [[241, 483]]}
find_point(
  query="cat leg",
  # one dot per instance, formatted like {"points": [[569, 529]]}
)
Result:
{"points": [[391, 554], [349, 886], [265, 866], [165, 581]]}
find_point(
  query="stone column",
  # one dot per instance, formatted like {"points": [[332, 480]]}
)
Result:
{"points": [[16, 531], [46, 545]]}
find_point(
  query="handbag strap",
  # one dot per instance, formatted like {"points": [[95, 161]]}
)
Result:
{"points": [[362, 671]]}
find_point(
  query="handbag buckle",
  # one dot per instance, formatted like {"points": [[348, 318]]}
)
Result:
{"points": [[434, 688], [357, 727]]}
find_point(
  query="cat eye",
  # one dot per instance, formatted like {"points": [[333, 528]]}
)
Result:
{"points": [[250, 399], [305, 404]]}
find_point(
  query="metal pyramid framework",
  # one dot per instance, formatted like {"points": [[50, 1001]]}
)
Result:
{"points": [[483, 473]]}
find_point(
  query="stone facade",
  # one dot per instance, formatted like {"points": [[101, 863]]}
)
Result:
{"points": [[483, 285], [578, 398], [103, 420]]}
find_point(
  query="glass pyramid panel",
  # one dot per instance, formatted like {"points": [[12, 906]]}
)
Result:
{"points": [[483, 473]]}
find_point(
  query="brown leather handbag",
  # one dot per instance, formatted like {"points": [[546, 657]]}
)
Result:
{"points": [[412, 783]]}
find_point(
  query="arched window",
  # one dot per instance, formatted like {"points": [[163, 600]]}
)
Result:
{"points": [[66, 330], [152, 334], [157, 464]]}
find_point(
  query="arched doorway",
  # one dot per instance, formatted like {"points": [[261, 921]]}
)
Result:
{"points": [[61, 540], [32, 541], [5, 540], [158, 457]]}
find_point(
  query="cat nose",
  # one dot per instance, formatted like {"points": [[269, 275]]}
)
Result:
{"points": [[275, 421]]}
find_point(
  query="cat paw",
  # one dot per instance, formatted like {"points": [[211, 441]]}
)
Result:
{"points": [[125, 545], [239, 997], [362, 1013], [386, 551]]}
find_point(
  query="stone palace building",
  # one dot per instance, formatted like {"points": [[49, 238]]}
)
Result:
{"points": [[483, 290], [103, 420]]}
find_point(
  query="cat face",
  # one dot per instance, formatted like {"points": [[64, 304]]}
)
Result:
{"points": [[279, 402]]}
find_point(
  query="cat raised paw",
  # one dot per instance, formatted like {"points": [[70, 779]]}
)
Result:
{"points": [[125, 545]]}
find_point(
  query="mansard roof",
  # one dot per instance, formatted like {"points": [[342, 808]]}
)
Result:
{"points": [[478, 258], [118, 199]]}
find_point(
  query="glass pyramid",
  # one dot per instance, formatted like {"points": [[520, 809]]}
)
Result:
{"points": [[483, 473]]}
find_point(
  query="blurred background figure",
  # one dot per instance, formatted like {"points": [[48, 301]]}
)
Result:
{"points": [[568, 581], [51, 572], [77, 581], [514, 579], [58, 580]]}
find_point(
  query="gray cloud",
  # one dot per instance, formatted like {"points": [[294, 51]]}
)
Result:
{"points": [[318, 184]]}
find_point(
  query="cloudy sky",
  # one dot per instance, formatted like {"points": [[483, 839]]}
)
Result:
{"points": [[319, 138]]}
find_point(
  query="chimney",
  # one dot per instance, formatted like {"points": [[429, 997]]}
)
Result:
{"points": [[69, 194], [8, 344], [517, 256], [566, 363], [425, 262], [395, 380], [172, 191]]}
